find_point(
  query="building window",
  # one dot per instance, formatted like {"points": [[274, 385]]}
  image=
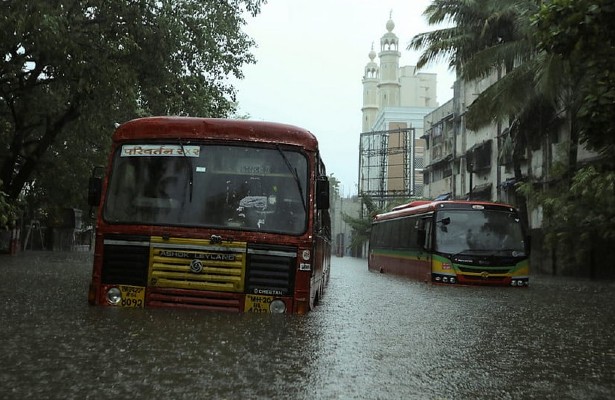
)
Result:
{"points": [[479, 157]]}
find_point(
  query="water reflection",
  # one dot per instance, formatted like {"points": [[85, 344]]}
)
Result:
{"points": [[373, 337]]}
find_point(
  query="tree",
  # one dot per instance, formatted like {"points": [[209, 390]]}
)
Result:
{"points": [[491, 37], [553, 61], [361, 226], [579, 32], [8, 211], [477, 25], [72, 69], [534, 93]]}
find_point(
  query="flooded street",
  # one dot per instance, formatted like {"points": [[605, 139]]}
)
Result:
{"points": [[373, 337]]}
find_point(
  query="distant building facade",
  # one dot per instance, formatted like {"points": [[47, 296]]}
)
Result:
{"points": [[395, 101], [478, 165], [465, 164]]}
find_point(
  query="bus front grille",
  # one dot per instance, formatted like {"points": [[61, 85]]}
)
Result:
{"points": [[197, 270], [491, 270], [271, 270], [213, 301], [125, 262]]}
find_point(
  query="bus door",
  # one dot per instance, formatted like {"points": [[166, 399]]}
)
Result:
{"points": [[424, 242]]}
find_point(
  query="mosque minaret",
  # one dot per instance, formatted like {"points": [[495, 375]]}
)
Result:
{"points": [[389, 87], [370, 92], [395, 101]]}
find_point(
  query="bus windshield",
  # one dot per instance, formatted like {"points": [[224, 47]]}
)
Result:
{"points": [[235, 187], [479, 231]]}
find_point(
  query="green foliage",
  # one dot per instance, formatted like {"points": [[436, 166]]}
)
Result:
{"points": [[361, 226], [8, 210], [73, 69], [581, 212], [482, 35], [580, 32], [553, 60], [494, 39]]}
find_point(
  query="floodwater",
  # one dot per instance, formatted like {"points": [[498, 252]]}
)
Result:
{"points": [[373, 337]]}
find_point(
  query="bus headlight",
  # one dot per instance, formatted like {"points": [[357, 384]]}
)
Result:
{"points": [[114, 296], [277, 307]]}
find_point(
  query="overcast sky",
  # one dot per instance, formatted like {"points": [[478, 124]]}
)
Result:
{"points": [[311, 56]]}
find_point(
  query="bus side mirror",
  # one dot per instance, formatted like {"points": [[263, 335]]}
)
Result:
{"points": [[322, 193], [94, 191], [528, 244], [95, 186]]}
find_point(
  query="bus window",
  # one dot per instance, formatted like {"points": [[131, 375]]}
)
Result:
{"points": [[485, 230], [225, 186]]}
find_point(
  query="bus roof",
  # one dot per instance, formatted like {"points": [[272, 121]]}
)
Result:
{"points": [[189, 128], [422, 206]]}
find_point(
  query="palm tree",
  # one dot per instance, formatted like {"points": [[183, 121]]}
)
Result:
{"points": [[497, 37], [477, 25], [547, 56]]}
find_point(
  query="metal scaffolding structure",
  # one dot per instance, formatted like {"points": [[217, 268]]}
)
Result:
{"points": [[386, 165]]}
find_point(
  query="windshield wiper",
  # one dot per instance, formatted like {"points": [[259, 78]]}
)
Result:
{"points": [[295, 175], [190, 173]]}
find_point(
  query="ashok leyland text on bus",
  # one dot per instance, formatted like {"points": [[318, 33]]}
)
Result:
{"points": [[215, 214], [452, 242]]}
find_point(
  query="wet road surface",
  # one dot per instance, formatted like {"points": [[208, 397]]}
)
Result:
{"points": [[373, 337]]}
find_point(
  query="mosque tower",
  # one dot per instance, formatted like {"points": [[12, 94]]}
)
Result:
{"points": [[389, 87], [395, 102], [370, 92]]}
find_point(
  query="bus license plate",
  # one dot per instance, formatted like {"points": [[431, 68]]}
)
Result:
{"points": [[132, 296], [257, 304]]}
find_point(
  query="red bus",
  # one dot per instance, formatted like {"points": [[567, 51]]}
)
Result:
{"points": [[452, 242], [216, 214]]}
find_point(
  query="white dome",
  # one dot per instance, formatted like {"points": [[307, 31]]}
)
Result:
{"points": [[390, 25]]}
